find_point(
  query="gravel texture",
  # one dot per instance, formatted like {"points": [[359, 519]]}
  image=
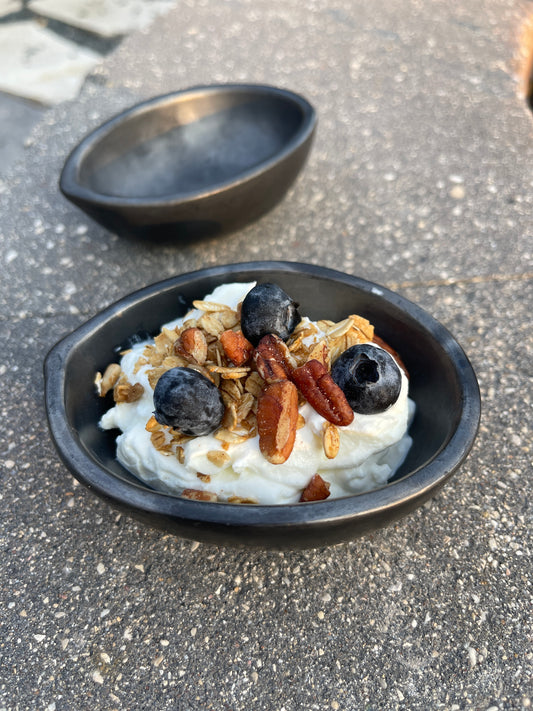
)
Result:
{"points": [[419, 179]]}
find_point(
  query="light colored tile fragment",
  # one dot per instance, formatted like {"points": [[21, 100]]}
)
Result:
{"points": [[39, 65], [107, 18], [9, 6]]}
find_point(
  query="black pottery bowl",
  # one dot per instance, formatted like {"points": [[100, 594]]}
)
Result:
{"points": [[196, 162], [442, 384]]}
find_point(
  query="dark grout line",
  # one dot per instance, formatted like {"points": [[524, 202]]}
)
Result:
{"points": [[77, 35]]}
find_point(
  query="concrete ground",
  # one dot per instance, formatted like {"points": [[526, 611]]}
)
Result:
{"points": [[420, 179]]}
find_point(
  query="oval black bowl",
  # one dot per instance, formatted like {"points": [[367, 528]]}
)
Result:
{"points": [[443, 386], [196, 162]]}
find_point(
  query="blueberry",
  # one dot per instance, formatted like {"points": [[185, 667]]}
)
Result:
{"points": [[369, 377], [268, 309], [186, 400]]}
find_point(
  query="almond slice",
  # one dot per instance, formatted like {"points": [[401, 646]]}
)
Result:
{"points": [[209, 306], [198, 495], [330, 440]]}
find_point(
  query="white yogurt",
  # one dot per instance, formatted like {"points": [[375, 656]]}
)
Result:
{"points": [[372, 447]]}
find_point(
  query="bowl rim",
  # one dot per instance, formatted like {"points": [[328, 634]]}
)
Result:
{"points": [[413, 486], [71, 187]]}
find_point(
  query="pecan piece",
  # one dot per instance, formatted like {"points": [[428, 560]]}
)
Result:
{"points": [[316, 490], [382, 344], [277, 419], [192, 346], [322, 392], [271, 358], [237, 348]]}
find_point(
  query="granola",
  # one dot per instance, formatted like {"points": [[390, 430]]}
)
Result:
{"points": [[209, 339]]}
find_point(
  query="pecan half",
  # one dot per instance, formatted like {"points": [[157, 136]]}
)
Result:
{"points": [[237, 348], [192, 346], [271, 358], [316, 490], [322, 392], [277, 419]]}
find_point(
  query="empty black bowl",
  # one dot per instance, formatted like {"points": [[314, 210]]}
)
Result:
{"points": [[201, 161], [442, 384]]}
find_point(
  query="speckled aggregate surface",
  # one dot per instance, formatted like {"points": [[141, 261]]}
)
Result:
{"points": [[419, 179]]}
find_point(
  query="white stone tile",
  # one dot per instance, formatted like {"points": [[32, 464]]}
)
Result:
{"points": [[107, 18], [39, 65], [9, 6]]}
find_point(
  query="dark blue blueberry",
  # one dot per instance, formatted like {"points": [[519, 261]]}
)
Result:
{"points": [[186, 400], [268, 309], [369, 377]]}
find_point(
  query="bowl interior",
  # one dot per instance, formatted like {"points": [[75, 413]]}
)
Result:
{"points": [[434, 378], [190, 142]]}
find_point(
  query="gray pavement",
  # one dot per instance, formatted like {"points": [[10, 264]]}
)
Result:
{"points": [[420, 179]]}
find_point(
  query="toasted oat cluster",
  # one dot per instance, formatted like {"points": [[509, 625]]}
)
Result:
{"points": [[261, 387]]}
